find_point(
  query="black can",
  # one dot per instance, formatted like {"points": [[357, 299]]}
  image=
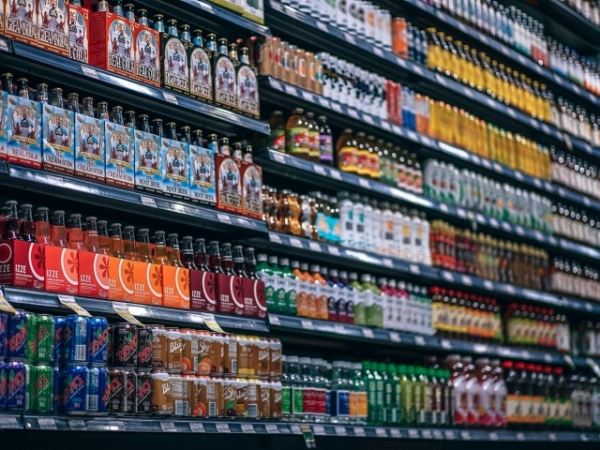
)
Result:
{"points": [[117, 400], [144, 393], [131, 392], [109, 347], [144, 359], [125, 345]]}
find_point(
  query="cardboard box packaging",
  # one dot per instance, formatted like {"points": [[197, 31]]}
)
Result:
{"points": [[255, 304], [58, 139], [147, 54], [79, 27], [203, 295], [112, 45], [201, 74], [62, 270], [120, 155], [93, 275], [175, 64], [148, 162], [252, 190], [120, 279], [176, 287], [202, 175], [230, 294], [4, 130], [53, 26], [21, 20], [147, 284], [90, 155], [247, 83], [175, 173], [24, 131], [229, 183], [22, 264]]}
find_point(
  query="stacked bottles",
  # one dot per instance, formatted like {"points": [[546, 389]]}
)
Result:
{"points": [[448, 184], [575, 173], [576, 223], [571, 277], [575, 120], [586, 339]]}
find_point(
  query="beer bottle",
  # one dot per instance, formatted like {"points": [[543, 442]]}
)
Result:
{"points": [[160, 249], [186, 134], [143, 123], [75, 237], [129, 118], [129, 246], [73, 99], [200, 256], [58, 230], [90, 237], [23, 88], [88, 106], [143, 241], [57, 98], [187, 252], [103, 239], [102, 111], [237, 152], [248, 154], [157, 127], [238, 262], [117, 115], [116, 241], [26, 232], [214, 257], [7, 82], [250, 263], [227, 259], [42, 227], [173, 250], [171, 131], [224, 148], [41, 93]]}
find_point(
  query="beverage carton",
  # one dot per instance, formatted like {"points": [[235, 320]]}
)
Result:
{"points": [[201, 74], [247, 85], [90, 156], [147, 54], [112, 46], [22, 264], [176, 287], [93, 275], [230, 294], [203, 296], [79, 25], [175, 176], [254, 10], [252, 190], [229, 184], [202, 181], [4, 130], [120, 155], [53, 26], [175, 64], [147, 284], [20, 20], [120, 279], [24, 131], [62, 271], [57, 139], [148, 175]]}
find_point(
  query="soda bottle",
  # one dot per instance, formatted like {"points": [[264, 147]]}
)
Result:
{"points": [[264, 272], [173, 250], [322, 290], [214, 257], [26, 231], [75, 237], [200, 256], [436, 397], [413, 373], [388, 414], [160, 249], [250, 263], [116, 241], [238, 261], [42, 227], [301, 292], [90, 236], [290, 287], [227, 259], [407, 405], [472, 392], [187, 252], [487, 396], [103, 239], [286, 401], [129, 245], [143, 245], [426, 411], [279, 292], [58, 229], [457, 378], [500, 392], [296, 389]]}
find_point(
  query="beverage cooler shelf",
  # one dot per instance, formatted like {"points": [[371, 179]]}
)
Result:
{"points": [[362, 119], [68, 72], [294, 431], [26, 299]]}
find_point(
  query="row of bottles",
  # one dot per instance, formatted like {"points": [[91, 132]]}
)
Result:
{"points": [[576, 223], [586, 339], [575, 173], [573, 278]]}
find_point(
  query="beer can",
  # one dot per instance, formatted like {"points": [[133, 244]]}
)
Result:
{"points": [[98, 348], [173, 350], [189, 351], [117, 400], [3, 335], [44, 337], [17, 335], [76, 339], [162, 401], [60, 324], [97, 395], [145, 349], [3, 385], [144, 393], [131, 391], [75, 388], [159, 346], [125, 345], [57, 388], [40, 388], [17, 376], [30, 337]]}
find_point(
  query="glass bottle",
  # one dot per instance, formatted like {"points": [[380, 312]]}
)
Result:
{"points": [[160, 249], [129, 244], [227, 259], [58, 229], [296, 134], [187, 252], [250, 263], [42, 227], [90, 236], [103, 239], [313, 138], [116, 241], [75, 237], [214, 257], [238, 261], [200, 256], [143, 245], [173, 254], [277, 139], [26, 232], [325, 142], [346, 150]]}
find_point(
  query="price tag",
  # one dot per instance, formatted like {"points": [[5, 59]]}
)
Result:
{"points": [[277, 157], [420, 340], [122, 310], [364, 183], [307, 324], [352, 113], [368, 333], [584, 437], [466, 280], [223, 428], [320, 170], [387, 262], [8, 423], [447, 276], [69, 302], [336, 107], [4, 305], [247, 428], [367, 118], [588, 306], [418, 70], [461, 213], [446, 344], [341, 431], [444, 208], [593, 365], [548, 357], [494, 222], [170, 98], [89, 72], [340, 329], [314, 246], [519, 176], [394, 337], [168, 427], [295, 429], [272, 429], [385, 125], [275, 238], [335, 174], [508, 288], [586, 201], [437, 434], [319, 430], [196, 427], [568, 142], [520, 231], [414, 434], [494, 436], [465, 435], [321, 26], [349, 38], [47, 424], [334, 250], [395, 433], [380, 432], [552, 436], [414, 269], [359, 431], [520, 436], [488, 285], [323, 102], [449, 434], [485, 163], [378, 51], [290, 90], [224, 218], [274, 320], [211, 322], [148, 201], [506, 226], [77, 425], [426, 434], [295, 242]]}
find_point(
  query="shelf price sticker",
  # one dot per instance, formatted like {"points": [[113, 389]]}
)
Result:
{"points": [[224, 218], [395, 433], [211, 322], [274, 320], [414, 269], [320, 170], [122, 310], [394, 336], [341, 431], [148, 201], [196, 427], [593, 365], [414, 434], [272, 429], [359, 431], [465, 435], [520, 436], [168, 427], [307, 324], [247, 428], [77, 425], [4, 305], [420, 340], [47, 424], [69, 302], [446, 344], [89, 72], [223, 428], [368, 333], [309, 437], [321, 26], [170, 98], [381, 432], [494, 436]]}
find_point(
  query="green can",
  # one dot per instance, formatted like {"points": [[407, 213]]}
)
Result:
{"points": [[40, 388], [30, 339], [44, 337]]}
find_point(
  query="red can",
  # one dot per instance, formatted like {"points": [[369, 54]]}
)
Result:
{"points": [[144, 393], [117, 400], [125, 345], [131, 392], [144, 358]]}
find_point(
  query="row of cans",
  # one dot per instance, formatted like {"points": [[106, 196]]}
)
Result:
{"points": [[45, 338]]}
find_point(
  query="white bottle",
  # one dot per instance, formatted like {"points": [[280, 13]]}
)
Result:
{"points": [[387, 302], [346, 219], [386, 229], [358, 221], [406, 235], [431, 178], [397, 217], [425, 240], [367, 243], [428, 311], [443, 182], [416, 236], [401, 306], [375, 229]]}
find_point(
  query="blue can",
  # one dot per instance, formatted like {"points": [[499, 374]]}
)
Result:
{"points": [[76, 339], [74, 398], [3, 384], [98, 349], [17, 335], [17, 377], [98, 390], [57, 388], [3, 335], [60, 325]]}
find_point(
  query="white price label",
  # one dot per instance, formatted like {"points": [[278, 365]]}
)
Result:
{"points": [[170, 98], [461, 213], [378, 51], [447, 276], [510, 289], [450, 434], [122, 310], [211, 322], [4, 46], [247, 428], [275, 238], [359, 431], [321, 26], [466, 280], [494, 222], [4, 305], [341, 431], [385, 125], [278, 157], [367, 118], [349, 38], [418, 70], [364, 183], [584, 437], [506, 226], [488, 285], [511, 113], [307, 324], [552, 436], [272, 429], [368, 333], [437, 434], [494, 436], [485, 163], [414, 269], [465, 435], [148, 201], [295, 242], [444, 208], [420, 340], [520, 436], [314, 246], [168, 427], [479, 348], [320, 170], [588, 306], [426, 434], [519, 176], [335, 174], [318, 430], [387, 262], [77, 425], [394, 337], [413, 434], [69, 302], [339, 329], [223, 428], [324, 102], [295, 429], [196, 427], [307, 96], [290, 89], [395, 433], [274, 320], [548, 357], [47, 424], [89, 72], [380, 432], [520, 231], [352, 113], [224, 218], [336, 107], [334, 250], [446, 344]]}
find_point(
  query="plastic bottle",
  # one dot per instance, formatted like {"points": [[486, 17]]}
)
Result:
{"points": [[296, 389], [367, 242], [487, 397], [322, 291], [278, 284], [358, 221], [500, 393], [286, 390], [457, 378], [311, 288], [296, 134], [265, 273], [325, 142], [375, 228], [444, 408], [387, 231], [301, 291], [340, 394], [291, 284], [417, 391], [362, 402], [346, 219], [425, 413]]}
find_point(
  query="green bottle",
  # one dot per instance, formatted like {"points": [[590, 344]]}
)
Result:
{"points": [[424, 418], [362, 396], [278, 284], [290, 287], [406, 388], [359, 303], [265, 273], [417, 391], [396, 412], [388, 394], [379, 385], [444, 412], [435, 396], [373, 302], [371, 385]]}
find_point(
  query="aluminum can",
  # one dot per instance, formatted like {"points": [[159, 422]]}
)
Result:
{"points": [[44, 337], [98, 348], [40, 387], [60, 324], [17, 376], [75, 389], [17, 335], [97, 394], [76, 339]]}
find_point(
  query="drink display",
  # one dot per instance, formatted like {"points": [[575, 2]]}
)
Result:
{"points": [[576, 223], [571, 277], [576, 173]]}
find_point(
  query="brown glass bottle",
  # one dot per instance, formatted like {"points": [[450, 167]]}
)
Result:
{"points": [[160, 249], [129, 244], [42, 227], [75, 237], [173, 254], [143, 245], [187, 252], [227, 259], [58, 229], [116, 241], [214, 257], [250, 263], [238, 261], [200, 256]]}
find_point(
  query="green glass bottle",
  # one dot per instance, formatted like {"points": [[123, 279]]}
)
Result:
{"points": [[406, 389]]}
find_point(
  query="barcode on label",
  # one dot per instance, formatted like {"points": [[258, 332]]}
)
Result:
{"points": [[179, 408], [234, 368], [92, 401], [252, 410], [80, 352], [212, 409]]}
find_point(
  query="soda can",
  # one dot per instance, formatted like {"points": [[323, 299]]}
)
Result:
{"points": [[60, 324], [41, 387], [3, 335], [3, 385], [76, 339], [109, 347], [44, 337], [97, 390], [98, 350], [74, 398], [144, 393], [30, 338], [144, 358], [130, 391], [125, 345], [17, 335], [57, 388], [17, 376], [117, 400]]}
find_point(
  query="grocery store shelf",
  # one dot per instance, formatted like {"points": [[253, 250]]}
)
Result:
{"points": [[129, 201], [48, 301], [68, 72], [31, 422]]}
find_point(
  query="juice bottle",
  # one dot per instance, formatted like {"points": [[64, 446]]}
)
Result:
{"points": [[313, 138], [200, 255], [346, 150], [371, 386], [362, 402], [215, 263], [325, 142], [359, 302], [472, 391], [291, 284], [346, 298], [173, 253], [457, 378], [42, 227], [413, 373], [278, 284], [301, 293], [103, 239], [187, 253], [26, 231], [129, 245], [338, 291], [395, 416], [374, 315], [311, 288], [444, 402], [90, 237], [406, 394], [500, 393], [143, 239], [58, 230], [436, 395], [277, 139], [296, 134], [487, 397], [265, 273], [116, 241], [515, 379], [226, 258], [160, 249], [425, 413], [322, 290]]}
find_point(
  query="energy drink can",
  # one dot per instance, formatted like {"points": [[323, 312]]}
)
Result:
{"points": [[60, 324], [75, 388], [98, 348], [76, 339]]}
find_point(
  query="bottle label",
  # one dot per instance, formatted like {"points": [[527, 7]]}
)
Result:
{"points": [[297, 399], [487, 403], [325, 149], [323, 227], [408, 407], [314, 145], [277, 140], [292, 287], [348, 159], [280, 292], [514, 408], [461, 407], [363, 404], [342, 403], [297, 141]]}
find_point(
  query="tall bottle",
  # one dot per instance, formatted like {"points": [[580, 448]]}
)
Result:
{"points": [[214, 257], [143, 245], [200, 255], [75, 238], [160, 249], [26, 230], [187, 252], [42, 227], [227, 259], [58, 229], [129, 244], [173, 254], [103, 239], [406, 393], [90, 236], [116, 241]]}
